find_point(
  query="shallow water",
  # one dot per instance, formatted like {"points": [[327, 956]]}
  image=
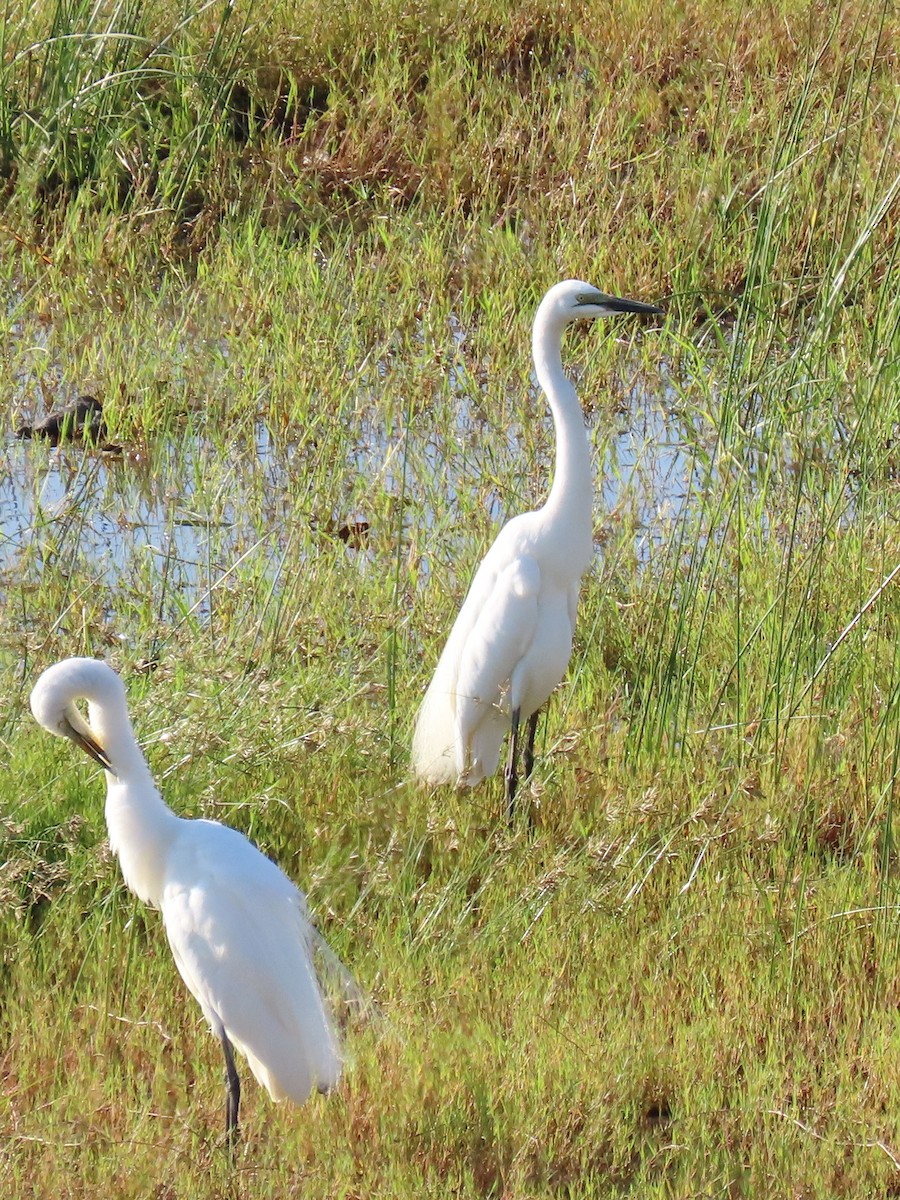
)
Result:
{"points": [[187, 509]]}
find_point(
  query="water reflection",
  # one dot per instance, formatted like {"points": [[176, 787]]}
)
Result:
{"points": [[186, 501], [189, 508]]}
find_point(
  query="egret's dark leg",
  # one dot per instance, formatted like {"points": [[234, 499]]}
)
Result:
{"points": [[510, 774], [529, 743], [232, 1093]]}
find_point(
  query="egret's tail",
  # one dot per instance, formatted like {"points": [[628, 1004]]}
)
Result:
{"points": [[456, 740], [337, 982], [433, 746]]}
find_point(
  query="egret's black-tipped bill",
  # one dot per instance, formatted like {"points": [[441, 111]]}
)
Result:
{"points": [[614, 304], [88, 745]]}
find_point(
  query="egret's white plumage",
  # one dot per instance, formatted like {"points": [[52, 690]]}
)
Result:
{"points": [[510, 644], [238, 927]]}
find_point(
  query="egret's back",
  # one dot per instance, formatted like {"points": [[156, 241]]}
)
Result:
{"points": [[241, 940]]}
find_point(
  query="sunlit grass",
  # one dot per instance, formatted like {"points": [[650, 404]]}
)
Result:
{"points": [[299, 269]]}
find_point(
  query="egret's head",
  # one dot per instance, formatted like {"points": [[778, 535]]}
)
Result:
{"points": [[574, 300], [53, 703]]}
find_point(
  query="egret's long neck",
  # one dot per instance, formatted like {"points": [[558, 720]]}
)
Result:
{"points": [[571, 494], [140, 824]]}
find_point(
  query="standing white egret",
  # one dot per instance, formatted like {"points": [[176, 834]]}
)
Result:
{"points": [[510, 644], [238, 927]]}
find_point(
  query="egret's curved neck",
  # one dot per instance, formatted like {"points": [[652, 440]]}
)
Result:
{"points": [[571, 494], [140, 824], [112, 726]]}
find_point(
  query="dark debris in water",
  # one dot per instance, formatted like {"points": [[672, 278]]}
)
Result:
{"points": [[354, 534]]}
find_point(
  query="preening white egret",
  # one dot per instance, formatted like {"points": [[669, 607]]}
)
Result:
{"points": [[510, 644], [238, 927]]}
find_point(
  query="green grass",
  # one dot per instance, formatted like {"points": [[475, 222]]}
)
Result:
{"points": [[298, 259]]}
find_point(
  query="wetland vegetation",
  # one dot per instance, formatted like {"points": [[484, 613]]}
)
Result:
{"points": [[295, 250]]}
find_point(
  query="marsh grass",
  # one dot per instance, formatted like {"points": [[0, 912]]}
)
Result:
{"points": [[299, 269]]}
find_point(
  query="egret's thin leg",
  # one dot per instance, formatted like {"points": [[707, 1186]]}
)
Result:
{"points": [[529, 743], [233, 1091], [510, 774]]}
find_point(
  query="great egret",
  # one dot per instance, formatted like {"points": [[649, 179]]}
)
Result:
{"points": [[510, 644], [238, 927]]}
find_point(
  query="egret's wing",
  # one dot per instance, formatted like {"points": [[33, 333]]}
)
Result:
{"points": [[498, 639], [434, 757], [242, 942]]}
